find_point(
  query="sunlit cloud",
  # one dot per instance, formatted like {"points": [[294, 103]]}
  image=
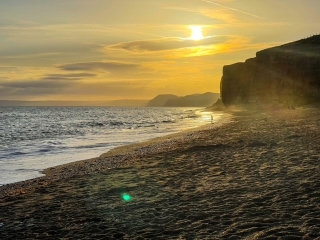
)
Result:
{"points": [[170, 48], [232, 44], [165, 44]]}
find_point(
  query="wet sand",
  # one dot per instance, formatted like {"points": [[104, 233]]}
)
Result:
{"points": [[257, 177]]}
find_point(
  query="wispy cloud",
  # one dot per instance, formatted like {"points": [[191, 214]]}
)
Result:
{"points": [[92, 66], [47, 84], [19, 89], [221, 15], [35, 84], [69, 77], [47, 81], [232, 9], [35, 55], [90, 90]]}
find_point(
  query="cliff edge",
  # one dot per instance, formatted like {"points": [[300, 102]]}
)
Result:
{"points": [[287, 74]]}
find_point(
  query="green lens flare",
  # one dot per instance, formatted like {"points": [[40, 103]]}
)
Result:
{"points": [[126, 197]]}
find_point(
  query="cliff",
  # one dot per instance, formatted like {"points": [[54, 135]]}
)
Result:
{"points": [[287, 74], [194, 100]]}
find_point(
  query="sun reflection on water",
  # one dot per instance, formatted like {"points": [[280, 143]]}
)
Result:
{"points": [[210, 117]]}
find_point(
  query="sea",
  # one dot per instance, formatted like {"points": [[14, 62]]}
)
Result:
{"points": [[36, 138]]}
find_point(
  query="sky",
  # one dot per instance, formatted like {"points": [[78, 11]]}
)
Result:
{"points": [[100, 50]]}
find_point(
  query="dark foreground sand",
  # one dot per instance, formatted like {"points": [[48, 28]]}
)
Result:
{"points": [[257, 177]]}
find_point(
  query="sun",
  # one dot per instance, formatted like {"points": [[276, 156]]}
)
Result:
{"points": [[196, 33]]}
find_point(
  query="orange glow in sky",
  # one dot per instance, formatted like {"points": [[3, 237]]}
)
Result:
{"points": [[124, 49]]}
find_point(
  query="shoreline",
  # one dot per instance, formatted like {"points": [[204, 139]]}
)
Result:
{"points": [[78, 137], [256, 177], [114, 158]]}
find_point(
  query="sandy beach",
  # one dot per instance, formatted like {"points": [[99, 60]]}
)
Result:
{"points": [[255, 177]]}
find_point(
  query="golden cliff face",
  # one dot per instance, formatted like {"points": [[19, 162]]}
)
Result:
{"points": [[287, 75]]}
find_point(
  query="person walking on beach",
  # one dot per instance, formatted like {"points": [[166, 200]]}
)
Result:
{"points": [[211, 119]]}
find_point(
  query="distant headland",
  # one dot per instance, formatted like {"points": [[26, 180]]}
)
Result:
{"points": [[194, 100]]}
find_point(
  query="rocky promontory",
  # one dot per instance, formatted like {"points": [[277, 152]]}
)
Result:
{"points": [[193, 100], [287, 75], [160, 100]]}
